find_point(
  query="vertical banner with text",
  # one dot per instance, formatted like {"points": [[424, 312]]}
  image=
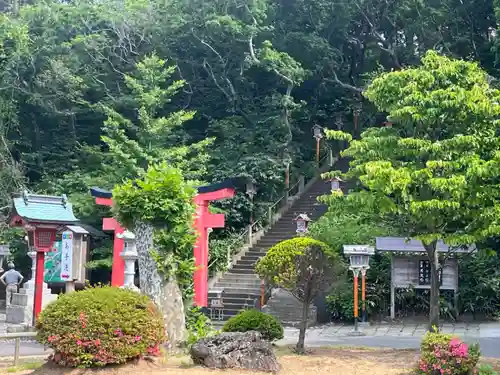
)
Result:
{"points": [[67, 256]]}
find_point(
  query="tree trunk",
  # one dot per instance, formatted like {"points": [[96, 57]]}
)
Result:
{"points": [[300, 348], [165, 294], [434, 305]]}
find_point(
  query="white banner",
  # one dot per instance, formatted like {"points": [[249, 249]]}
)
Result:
{"points": [[67, 256]]}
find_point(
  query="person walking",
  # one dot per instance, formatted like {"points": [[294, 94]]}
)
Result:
{"points": [[11, 279]]}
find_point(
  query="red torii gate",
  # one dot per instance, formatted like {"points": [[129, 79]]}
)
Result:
{"points": [[203, 221]]}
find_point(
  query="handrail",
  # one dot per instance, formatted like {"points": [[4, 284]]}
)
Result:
{"points": [[283, 203], [17, 348]]}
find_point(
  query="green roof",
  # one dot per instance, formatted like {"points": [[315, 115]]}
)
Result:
{"points": [[44, 208]]}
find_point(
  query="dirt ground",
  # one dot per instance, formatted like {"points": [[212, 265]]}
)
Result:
{"points": [[320, 361]]}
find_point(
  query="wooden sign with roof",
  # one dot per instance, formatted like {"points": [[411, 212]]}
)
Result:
{"points": [[41, 216], [410, 266]]}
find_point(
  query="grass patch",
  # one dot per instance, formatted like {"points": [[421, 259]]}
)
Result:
{"points": [[24, 367]]}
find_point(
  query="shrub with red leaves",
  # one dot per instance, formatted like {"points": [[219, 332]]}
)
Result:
{"points": [[101, 326]]}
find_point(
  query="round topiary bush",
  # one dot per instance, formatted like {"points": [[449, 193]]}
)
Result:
{"points": [[254, 320], [101, 326]]}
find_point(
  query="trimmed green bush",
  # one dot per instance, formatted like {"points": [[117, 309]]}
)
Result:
{"points": [[254, 320], [101, 326]]}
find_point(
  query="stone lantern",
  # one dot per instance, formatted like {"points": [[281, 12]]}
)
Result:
{"points": [[302, 222], [335, 181], [129, 255]]}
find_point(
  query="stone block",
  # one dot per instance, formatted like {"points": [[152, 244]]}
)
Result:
{"points": [[21, 309], [15, 314]]}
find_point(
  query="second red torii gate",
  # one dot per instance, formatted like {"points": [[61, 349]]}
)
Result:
{"points": [[203, 221]]}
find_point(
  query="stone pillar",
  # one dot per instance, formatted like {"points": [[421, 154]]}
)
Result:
{"points": [[21, 309]]}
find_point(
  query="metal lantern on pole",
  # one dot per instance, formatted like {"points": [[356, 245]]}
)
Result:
{"points": [[129, 255], [318, 135], [251, 191], [287, 163], [356, 112], [359, 261], [302, 222]]}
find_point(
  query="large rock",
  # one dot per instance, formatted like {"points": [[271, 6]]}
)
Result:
{"points": [[236, 350]]}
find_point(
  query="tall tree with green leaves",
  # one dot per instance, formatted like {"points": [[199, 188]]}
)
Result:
{"points": [[437, 169], [139, 130]]}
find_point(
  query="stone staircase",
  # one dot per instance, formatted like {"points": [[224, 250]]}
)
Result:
{"points": [[240, 287]]}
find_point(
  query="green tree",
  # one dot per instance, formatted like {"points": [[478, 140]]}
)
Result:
{"points": [[306, 268], [437, 169]]}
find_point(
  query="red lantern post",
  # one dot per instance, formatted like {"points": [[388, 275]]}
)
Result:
{"points": [[359, 260]]}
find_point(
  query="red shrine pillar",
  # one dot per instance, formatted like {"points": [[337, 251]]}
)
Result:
{"points": [[110, 224], [203, 221]]}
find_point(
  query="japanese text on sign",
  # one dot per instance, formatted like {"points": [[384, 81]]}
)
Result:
{"points": [[67, 256]]}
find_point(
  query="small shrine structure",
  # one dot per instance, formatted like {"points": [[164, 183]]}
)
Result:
{"points": [[204, 221], [42, 217], [410, 266]]}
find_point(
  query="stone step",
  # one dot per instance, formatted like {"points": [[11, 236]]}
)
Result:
{"points": [[244, 264], [242, 270], [237, 301], [251, 258], [241, 290], [236, 296], [229, 282], [245, 277], [248, 264], [225, 285]]}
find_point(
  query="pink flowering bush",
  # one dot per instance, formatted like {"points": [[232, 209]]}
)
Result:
{"points": [[101, 326], [443, 354]]}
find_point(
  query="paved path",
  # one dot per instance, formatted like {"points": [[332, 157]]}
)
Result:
{"points": [[397, 336]]}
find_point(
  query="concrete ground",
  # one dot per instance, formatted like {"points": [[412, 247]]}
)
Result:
{"points": [[397, 336]]}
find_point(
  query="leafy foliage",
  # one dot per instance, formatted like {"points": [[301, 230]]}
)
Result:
{"points": [[305, 267], [162, 197], [436, 170], [255, 320], [198, 326], [256, 75], [101, 326]]}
